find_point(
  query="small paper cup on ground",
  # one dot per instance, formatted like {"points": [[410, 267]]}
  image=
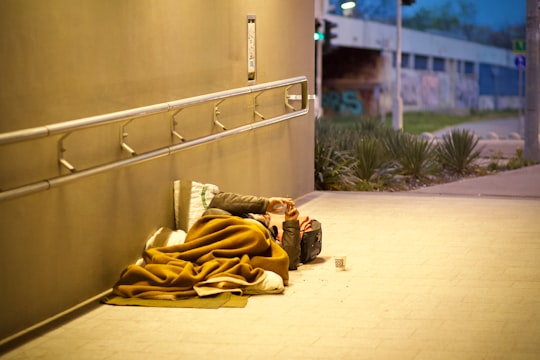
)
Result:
{"points": [[341, 262]]}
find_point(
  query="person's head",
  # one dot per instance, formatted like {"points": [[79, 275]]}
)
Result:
{"points": [[263, 218]]}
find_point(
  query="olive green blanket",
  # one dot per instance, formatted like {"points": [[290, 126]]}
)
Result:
{"points": [[225, 299], [220, 254]]}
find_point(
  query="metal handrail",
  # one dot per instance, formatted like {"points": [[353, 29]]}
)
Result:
{"points": [[69, 126], [63, 127]]}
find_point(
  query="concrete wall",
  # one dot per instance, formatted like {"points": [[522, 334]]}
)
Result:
{"points": [[361, 82], [357, 33], [64, 60]]}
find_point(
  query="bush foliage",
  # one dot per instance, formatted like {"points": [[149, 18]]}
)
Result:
{"points": [[365, 154], [457, 151]]}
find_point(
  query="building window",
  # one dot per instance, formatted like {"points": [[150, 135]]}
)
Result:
{"points": [[405, 60], [469, 67], [438, 64], [420, 62]]}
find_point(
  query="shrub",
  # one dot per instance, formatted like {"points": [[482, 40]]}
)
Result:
{"points": [[367, 156], [413, 156], [457, 152], [371, 159], [333, 169], [333, 165], [370, 126], [518, 161]]}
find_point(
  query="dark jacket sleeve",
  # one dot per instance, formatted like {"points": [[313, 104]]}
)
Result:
{"points": [[239, 205], [290, 242]]}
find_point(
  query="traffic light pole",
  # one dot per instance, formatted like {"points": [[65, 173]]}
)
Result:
{"points": [[397, 107], [318, 79], [320, 9], [532, 95]]}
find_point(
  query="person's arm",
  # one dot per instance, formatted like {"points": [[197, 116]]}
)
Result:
{"points": [[290, 240], [239, 205]]}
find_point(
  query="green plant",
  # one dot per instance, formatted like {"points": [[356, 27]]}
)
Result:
{"points": [[495, 160], [363, 153], [333, 170], [413, 156], [370, 126], [373, 166], [518, 161], [333, 165], [370, 157], [457, 151]]}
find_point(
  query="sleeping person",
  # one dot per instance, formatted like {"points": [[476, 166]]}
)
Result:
{"points": [[230, 248], [260, 209]]}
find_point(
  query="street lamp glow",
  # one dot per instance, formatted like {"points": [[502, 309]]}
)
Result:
{"points": [[348, 5]]}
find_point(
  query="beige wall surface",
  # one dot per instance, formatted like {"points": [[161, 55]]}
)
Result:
{"points": [[62, 60]]}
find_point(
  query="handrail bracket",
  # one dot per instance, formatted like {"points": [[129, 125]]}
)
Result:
{"points": [[216, 115], [287, 97], [174, 122], [123, 136], [255, 105], [61, 150]]}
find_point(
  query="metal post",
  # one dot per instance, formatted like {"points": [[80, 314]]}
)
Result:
{"points": [[520, 104], [532, 95], [320, 11], [397, 109]]}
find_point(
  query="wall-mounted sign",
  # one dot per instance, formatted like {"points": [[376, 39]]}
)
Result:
{"points": [[251, 70]]}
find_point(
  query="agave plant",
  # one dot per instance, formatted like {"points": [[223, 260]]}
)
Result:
{"points": [[413, 155], [333, 164], [333, 169], [457, 152], [370, 158], [371, 126]]}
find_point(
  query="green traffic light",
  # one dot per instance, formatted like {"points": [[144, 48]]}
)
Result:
{"points": [[318, 36]]}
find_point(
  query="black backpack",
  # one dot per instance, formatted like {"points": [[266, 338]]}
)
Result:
{"points": [[311, 242]]}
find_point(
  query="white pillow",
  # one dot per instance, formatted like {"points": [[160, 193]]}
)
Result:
{"points": [[163, 237], [191, 199]]}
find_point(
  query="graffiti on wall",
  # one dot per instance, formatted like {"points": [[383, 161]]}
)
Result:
{"points": [[410, 88], [420, 91], [342, 102], [466, 93], [430, 91], [435, 90], [444, 90]]}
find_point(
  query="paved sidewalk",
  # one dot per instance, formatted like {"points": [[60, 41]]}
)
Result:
{"points": [[524, 182], [497, 140], [428, 277]]}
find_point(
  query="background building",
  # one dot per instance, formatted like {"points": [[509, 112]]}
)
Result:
{"points": [[439, 73]]}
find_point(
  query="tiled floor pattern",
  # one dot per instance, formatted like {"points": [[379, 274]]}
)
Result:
{"points": [[428, 278]]}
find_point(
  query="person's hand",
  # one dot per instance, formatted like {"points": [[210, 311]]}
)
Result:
{"points": [[291, 213], [275, 204]]}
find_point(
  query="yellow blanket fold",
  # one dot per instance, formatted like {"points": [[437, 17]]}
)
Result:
{"points": [[215, 246]]}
